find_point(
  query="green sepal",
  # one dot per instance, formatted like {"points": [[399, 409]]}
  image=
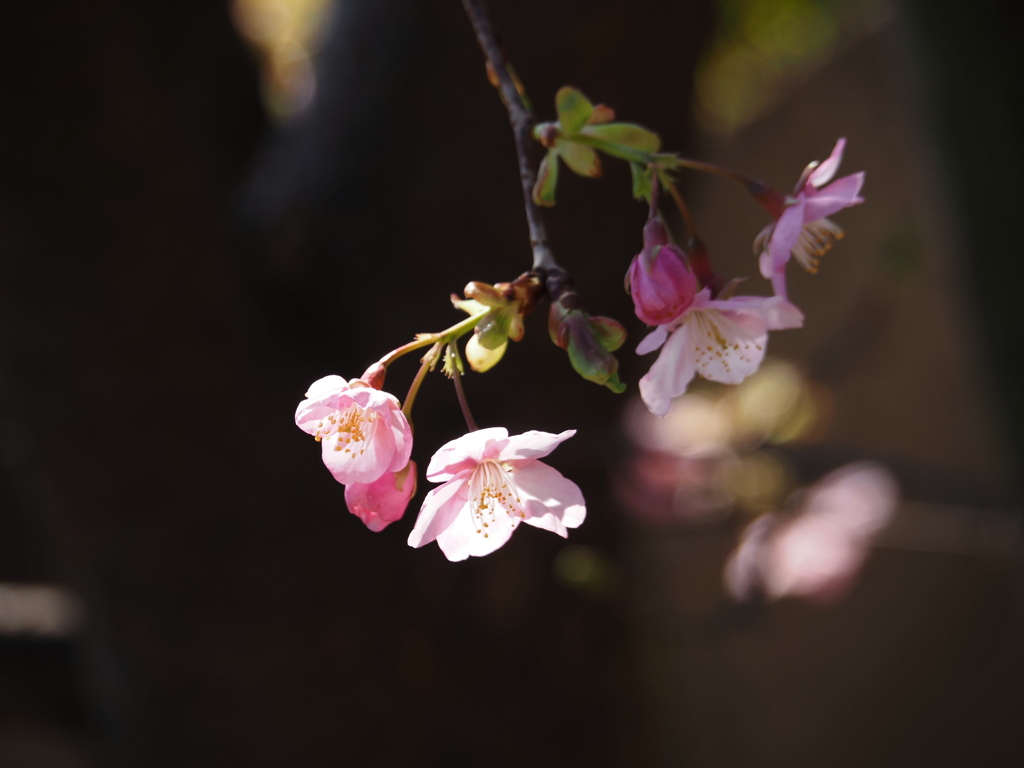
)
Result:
{"points": [[573, 108], [609, 332], [493, 329], [547, 178], [452, 360], [580, 158], [641, 182]]}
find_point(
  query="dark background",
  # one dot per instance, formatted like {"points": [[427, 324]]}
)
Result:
{"points": [[177, 268]]}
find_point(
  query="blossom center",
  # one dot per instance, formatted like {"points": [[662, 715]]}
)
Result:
{"points": [[491, 493], [712, 347], [348, 429]]}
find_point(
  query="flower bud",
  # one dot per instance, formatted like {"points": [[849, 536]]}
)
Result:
{"points": [[660, 282], [589, 342]]}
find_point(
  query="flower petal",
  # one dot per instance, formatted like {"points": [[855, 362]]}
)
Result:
{"points": [[383, 501], [840, 194], [533, 445], [652, 340], [774, 311], [328, 385], [550, 501], [727, 346], [824, 172], [321, 401], [439, 509], [783, 239], [464, 539], [670, 374], [402, 433], [365, 460], [465, 452]]}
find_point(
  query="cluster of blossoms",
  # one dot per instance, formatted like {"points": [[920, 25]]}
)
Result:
{"points": [[489, 481], [702, 330]]}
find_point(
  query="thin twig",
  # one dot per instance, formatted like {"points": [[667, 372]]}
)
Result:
{"points": [[461, 394], [522, 121]]}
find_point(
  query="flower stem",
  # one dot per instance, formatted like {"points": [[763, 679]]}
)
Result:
{"points": [[427, 363], [684, 209], [441, 337], [461, 394]]}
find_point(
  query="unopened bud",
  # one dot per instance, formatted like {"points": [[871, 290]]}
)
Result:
{"points": [[661, 284]]}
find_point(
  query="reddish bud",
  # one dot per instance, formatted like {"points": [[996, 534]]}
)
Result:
{"points": [[661, 283]]}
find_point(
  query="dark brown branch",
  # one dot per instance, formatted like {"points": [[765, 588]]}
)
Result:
{"points": [[522, 121]]}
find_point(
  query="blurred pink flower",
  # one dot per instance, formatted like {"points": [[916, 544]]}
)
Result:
{"points": [[659, 279], [491, 483], [382, 502], [362, 431], [818, 552], [802, 229], [721, 339]]}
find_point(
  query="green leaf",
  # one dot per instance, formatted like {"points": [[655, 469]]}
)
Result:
{"points": [[581, 159], [641, 182], [574, 109], [623, 139], [547, 178]]}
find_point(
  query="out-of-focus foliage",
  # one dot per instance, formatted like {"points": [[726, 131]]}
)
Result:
{"points": [[760, 45]]}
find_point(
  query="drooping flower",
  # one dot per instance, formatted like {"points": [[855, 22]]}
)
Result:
{"points": [[491, 483], [721, 339], [659, 279], [362, 431], [383, 501], [801, 228]]}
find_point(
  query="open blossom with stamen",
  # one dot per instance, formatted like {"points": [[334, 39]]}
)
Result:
{"points": [[491, 483], [801, 228], [721, 339], [362, 431]]}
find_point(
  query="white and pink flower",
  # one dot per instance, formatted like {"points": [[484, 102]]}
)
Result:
{"points": [[723, 340], [491, 483], [801, 228], [362, 431]]}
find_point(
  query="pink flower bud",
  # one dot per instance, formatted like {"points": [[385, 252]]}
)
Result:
{"points": [[660, 282], [383, 501]]}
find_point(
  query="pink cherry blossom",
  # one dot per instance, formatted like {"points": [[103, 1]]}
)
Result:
{"points": [[817, 552], [362, 431], [491, 483], [802, 228], [659, 279], [383, 501], [721, 339]]}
